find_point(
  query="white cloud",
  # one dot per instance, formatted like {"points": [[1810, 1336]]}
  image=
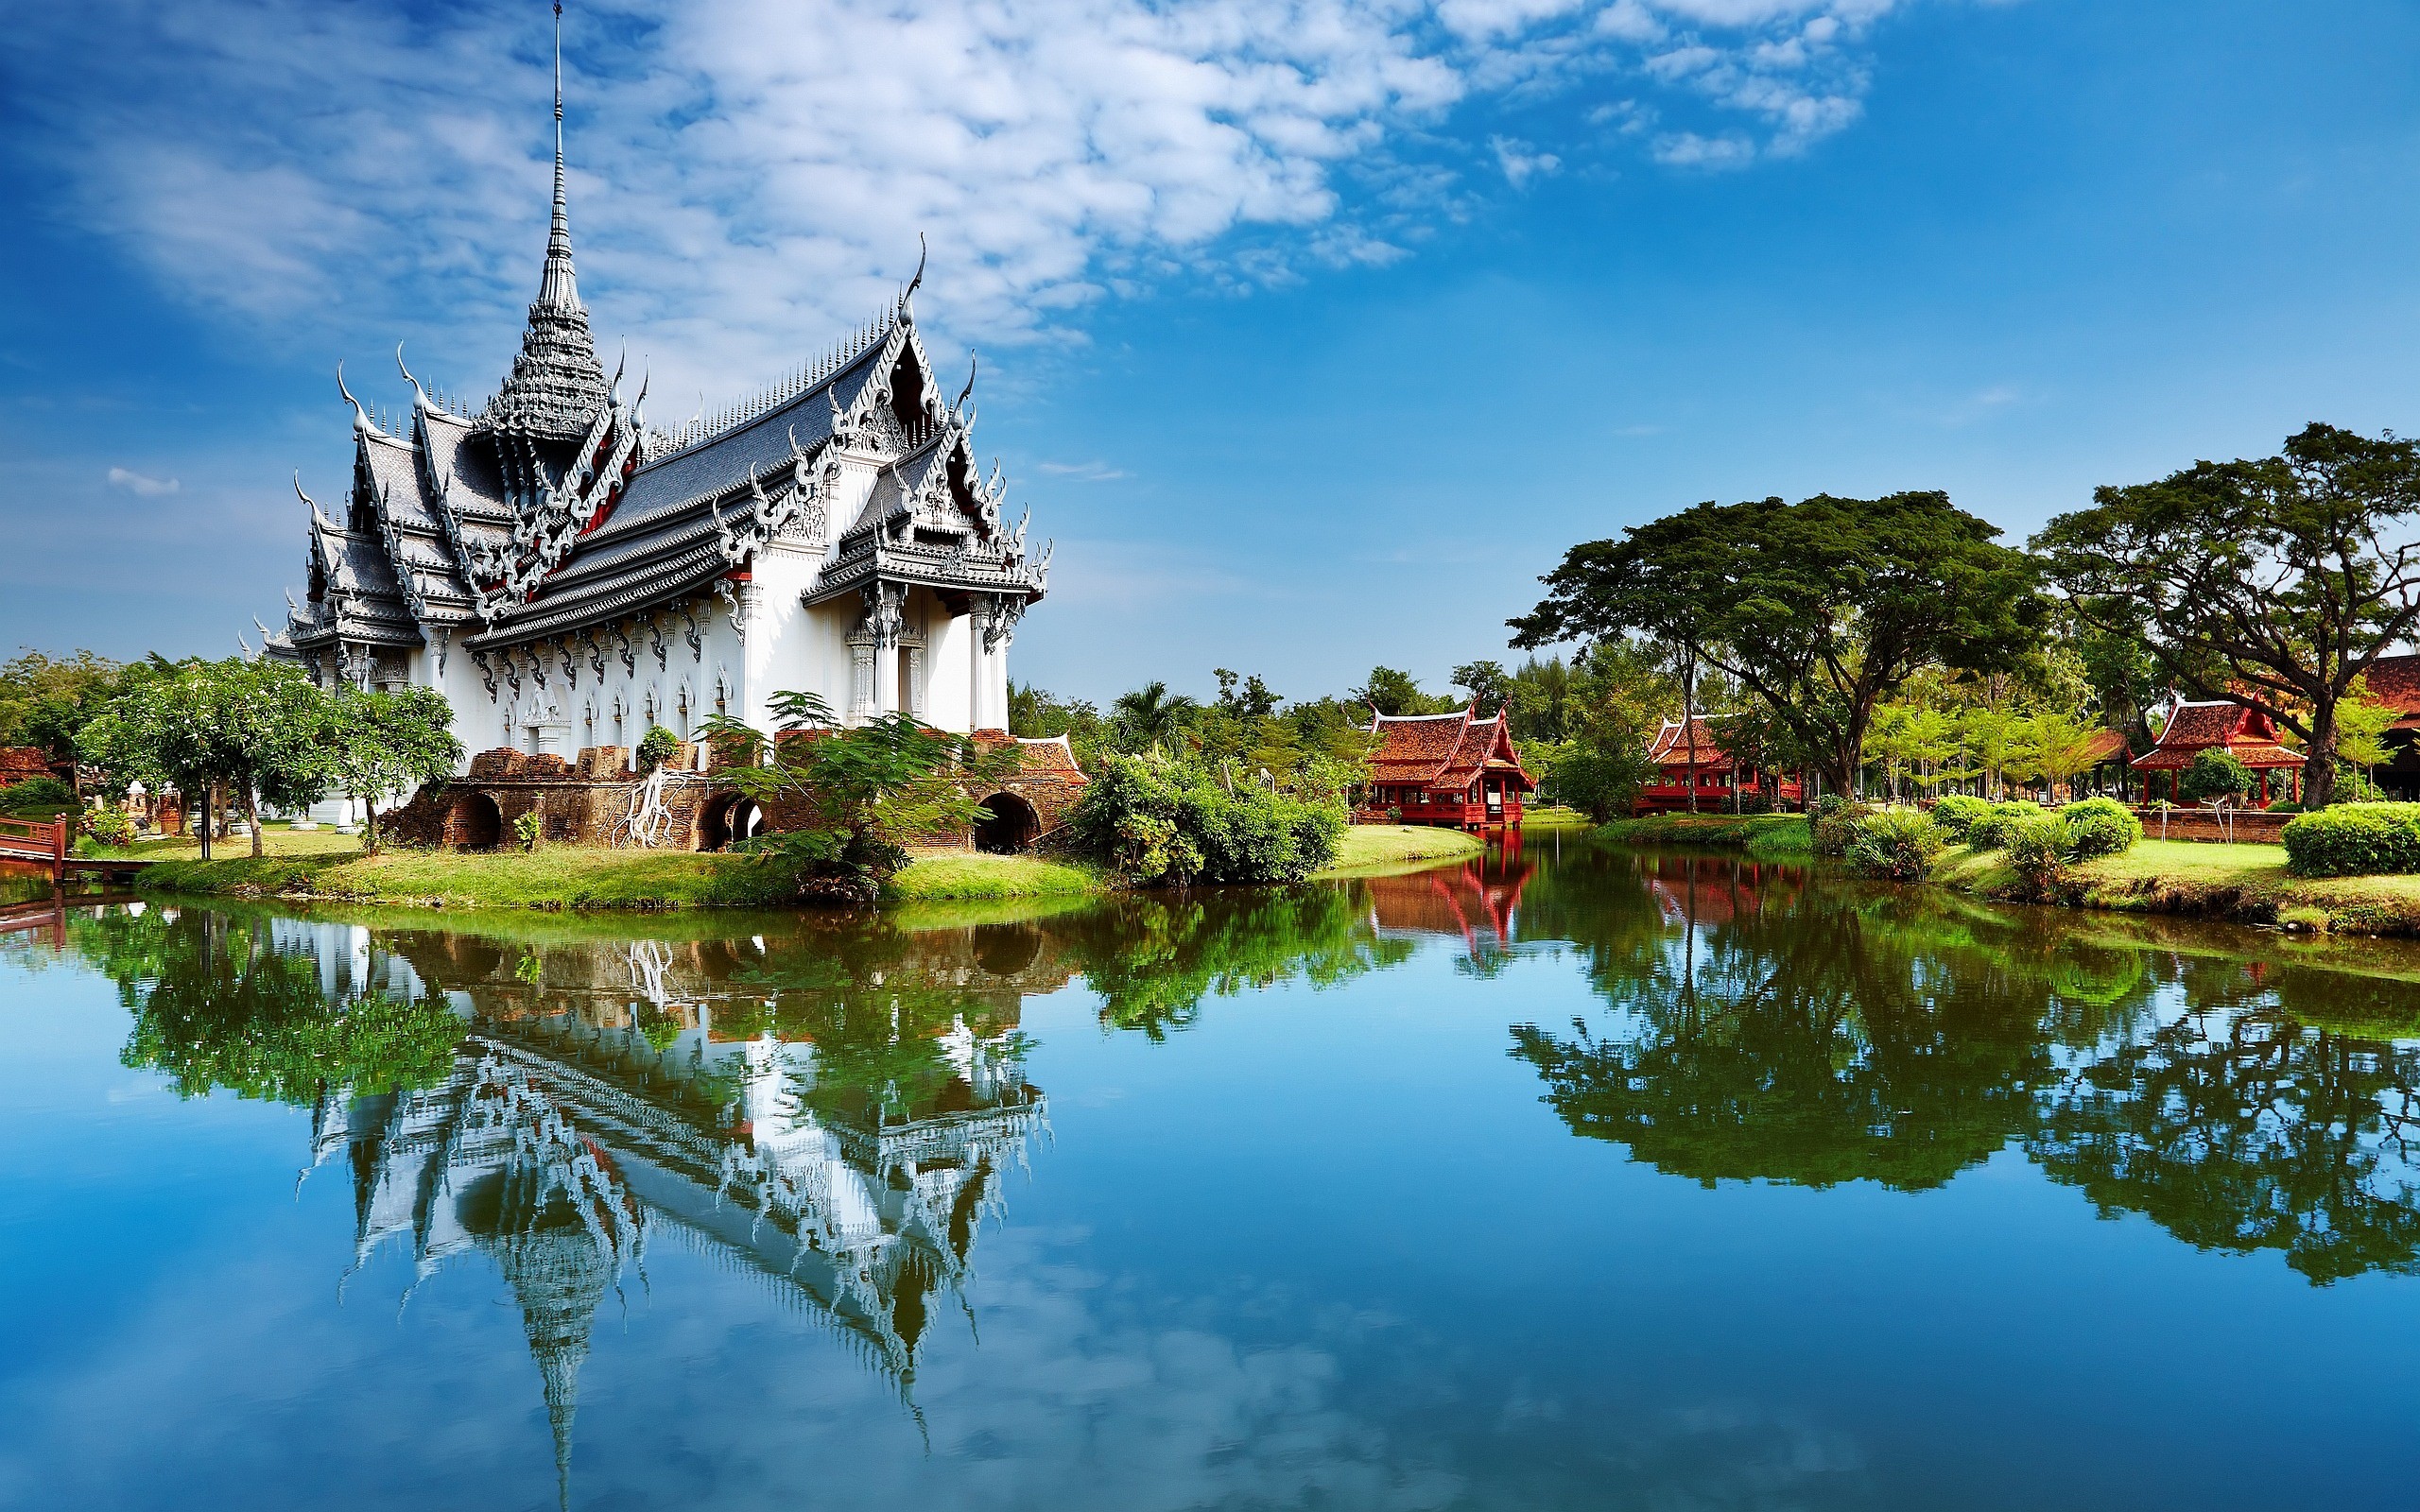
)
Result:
{"points": [[1080, 472], [1520, 163], [750, 174], [139, 485]]}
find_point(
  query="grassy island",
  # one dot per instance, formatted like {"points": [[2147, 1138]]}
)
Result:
{"points": [[308, 864], [1766, 836], [2245, 883]]}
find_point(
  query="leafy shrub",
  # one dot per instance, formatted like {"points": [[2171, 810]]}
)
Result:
{"points": [[657, 747], [1897, 844], [1160, 822], [2100, 827], [1990, 831], [2285, 808], [1834, 825], [37, 798], [2354, 839], [2038, 847], [110, 825], [2214, 774], [1957, 814], [1828, 805], [526, 830], [1753, 804]]}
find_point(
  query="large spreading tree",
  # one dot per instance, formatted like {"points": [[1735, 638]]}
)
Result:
{"points": [[1820, 610], [2273, 584]]}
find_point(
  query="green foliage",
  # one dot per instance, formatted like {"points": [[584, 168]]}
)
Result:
{"points": [[2353, 786], [2355, 839], [864, 793], [656, 747], [110, 825], [1834, 824], [1958, 814], [217, 1004], [37, 798], [2215, 774], [1894, 844], [2274, 581], [1487, 682], [1990, 832], [2100, 826], [1159, 821], [379, 743], [1151, 717], [2038, 847], [1390, 691], [1819, 609], [248, 726], [1035, 714], [44, 701], [527, 831]]}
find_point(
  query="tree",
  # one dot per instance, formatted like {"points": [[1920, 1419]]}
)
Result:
{"points": [[1820, 610], [1392, 693], [2362, 724], [1488, 682], [1253, 700], [2272, 584], [2215, 774], [2053, 747], [1151, 715], [250, 726], [380, 742], [1537, 699], [864, 793], [45, 700]]}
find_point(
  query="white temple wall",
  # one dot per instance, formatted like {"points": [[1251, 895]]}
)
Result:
{"points": [[950, 691]]}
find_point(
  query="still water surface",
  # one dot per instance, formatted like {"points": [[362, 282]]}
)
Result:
{"points": [[1574, 1178]]}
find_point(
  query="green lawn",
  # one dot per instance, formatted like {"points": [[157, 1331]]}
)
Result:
{"points": [[276, 840], [967, 875], [2248, 883], [1369, 848]]}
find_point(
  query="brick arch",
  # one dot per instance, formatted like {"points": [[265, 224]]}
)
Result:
{"points": [[473, 822], [1010, 823], [724, 818]]}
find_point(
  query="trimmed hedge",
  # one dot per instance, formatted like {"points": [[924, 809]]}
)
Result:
{"points": [[2355, 839], [1897, 844], [1991, 831], [1957, 814], [2100, 826]]}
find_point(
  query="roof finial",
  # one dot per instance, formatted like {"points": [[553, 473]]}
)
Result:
{"points": [[909, 292], [360, 416], [557, 286], [970, 380]]}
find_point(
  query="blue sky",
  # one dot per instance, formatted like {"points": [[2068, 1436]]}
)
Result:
{"points": [[1313, 330]]}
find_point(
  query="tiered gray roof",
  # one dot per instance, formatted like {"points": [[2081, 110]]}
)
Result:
{"points": [[556, 511]]}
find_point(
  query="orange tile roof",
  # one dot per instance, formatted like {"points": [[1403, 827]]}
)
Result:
{"points": [[1670, 747], [1442, 750], [2194, 727]]}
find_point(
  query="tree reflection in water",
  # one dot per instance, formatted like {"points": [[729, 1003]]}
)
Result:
{"points": [[1762, 1026]]}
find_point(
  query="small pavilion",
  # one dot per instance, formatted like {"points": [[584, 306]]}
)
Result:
{"points": [[1455, 770], [1690, 760], [2247, 734]]}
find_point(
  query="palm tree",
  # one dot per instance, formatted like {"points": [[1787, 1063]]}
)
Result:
{"points": [[1151, 716]]}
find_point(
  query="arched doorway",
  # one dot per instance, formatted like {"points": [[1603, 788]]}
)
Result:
{"points": [[1008, 826], [727, 819], [474, 823]]}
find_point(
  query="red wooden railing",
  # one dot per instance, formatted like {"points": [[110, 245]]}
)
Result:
{"points": [[41, 842]]}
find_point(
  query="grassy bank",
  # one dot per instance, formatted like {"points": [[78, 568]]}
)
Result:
{"points": [[1369, 848], [961, 875], [578, 877], [1767, 836], [2248, 884]]}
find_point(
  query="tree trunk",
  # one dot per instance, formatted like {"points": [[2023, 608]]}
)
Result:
{"points": [[368, 823], [208, 791], [253, 816], [1689, 721]]}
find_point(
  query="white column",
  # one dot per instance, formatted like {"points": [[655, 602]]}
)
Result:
{"points": [[886, 676]]}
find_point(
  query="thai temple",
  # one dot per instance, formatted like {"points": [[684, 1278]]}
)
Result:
{"points": [[568, 576]]}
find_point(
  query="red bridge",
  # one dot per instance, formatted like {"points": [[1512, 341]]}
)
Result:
{"points": [[43, 843]]}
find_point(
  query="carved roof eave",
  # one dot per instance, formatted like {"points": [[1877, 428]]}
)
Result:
{"points": [[927, 567]]}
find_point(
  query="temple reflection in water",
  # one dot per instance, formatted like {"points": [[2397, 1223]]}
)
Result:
{"points": [[608, 1097]]}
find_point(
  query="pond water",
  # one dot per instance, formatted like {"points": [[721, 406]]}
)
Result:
{"points": [[1571, 1178]]}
